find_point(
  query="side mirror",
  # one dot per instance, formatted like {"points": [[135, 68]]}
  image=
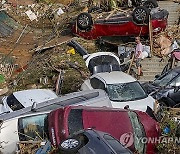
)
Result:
{"points": [[157, 76], [176, 89], [33, 107]]}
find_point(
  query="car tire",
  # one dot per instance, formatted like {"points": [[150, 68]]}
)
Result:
{"points": [[70, 145], [141, 15], [84, 21], [150, 4]]}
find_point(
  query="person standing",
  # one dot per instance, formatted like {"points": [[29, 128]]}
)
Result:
{"points": [[138, 54]]}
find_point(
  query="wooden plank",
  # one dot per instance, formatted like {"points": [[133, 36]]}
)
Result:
{"points": [[150, 36]]}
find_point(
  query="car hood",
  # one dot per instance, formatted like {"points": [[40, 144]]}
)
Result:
{"points": [[140, 105], [9, 136]]}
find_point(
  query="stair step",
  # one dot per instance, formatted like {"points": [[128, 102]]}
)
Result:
{"points": [[152, 73], [152, 66], [147, 78]]}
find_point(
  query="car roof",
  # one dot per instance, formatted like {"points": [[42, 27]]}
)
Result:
{"points": [[115, 77]]}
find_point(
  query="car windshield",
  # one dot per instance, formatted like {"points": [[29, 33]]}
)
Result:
{"points": [[125, 91], [33, 127], [165, 79], [138, 132], [13, 103]]}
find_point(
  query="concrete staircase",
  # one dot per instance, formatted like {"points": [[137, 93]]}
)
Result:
{"points": [[151, 67], [173, 9]]}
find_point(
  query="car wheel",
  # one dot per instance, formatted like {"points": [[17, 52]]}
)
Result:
{"points": [[150, 4], [70, 145], [84, 21], [141, 15]]}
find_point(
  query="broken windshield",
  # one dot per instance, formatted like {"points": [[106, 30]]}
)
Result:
{"points": [[138, 133], [125, 91]]}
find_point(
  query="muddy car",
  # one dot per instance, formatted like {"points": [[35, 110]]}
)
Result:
{"points": [[125, 23], [116, 122]]}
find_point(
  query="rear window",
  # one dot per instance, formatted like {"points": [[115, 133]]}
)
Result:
{"points": [[118, 147], [13, 103], [75, 122]]}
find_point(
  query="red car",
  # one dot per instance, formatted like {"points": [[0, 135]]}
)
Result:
{"points": [[119, 123], [132, 23]]}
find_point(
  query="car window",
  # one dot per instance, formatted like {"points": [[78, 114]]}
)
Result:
{"points": [[176, 82], [97, 84], [33, 127], [139, 132], [75, 122], [116, 145], [126, 91], [13, 103], [165, 79], [102, 60]]}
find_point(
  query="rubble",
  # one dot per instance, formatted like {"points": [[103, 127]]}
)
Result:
{"points": [[41, 58], [163, 41]]}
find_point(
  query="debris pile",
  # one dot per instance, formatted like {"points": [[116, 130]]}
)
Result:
{"points": [[164, 40]]}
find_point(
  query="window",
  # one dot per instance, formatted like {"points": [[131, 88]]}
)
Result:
{"points": [[75, 122], [165, 79], [102, 60], [118, 147], [13, 103], [125, 91], [33, 127], [176, 82], [97, 84]]}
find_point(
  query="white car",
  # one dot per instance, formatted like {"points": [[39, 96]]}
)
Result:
{"points": [[23, 124], [122, 90], [21, 99], [22, 128]]}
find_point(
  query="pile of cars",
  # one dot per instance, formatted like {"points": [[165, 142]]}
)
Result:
{"points": [[110, 105], [111, 113]]}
